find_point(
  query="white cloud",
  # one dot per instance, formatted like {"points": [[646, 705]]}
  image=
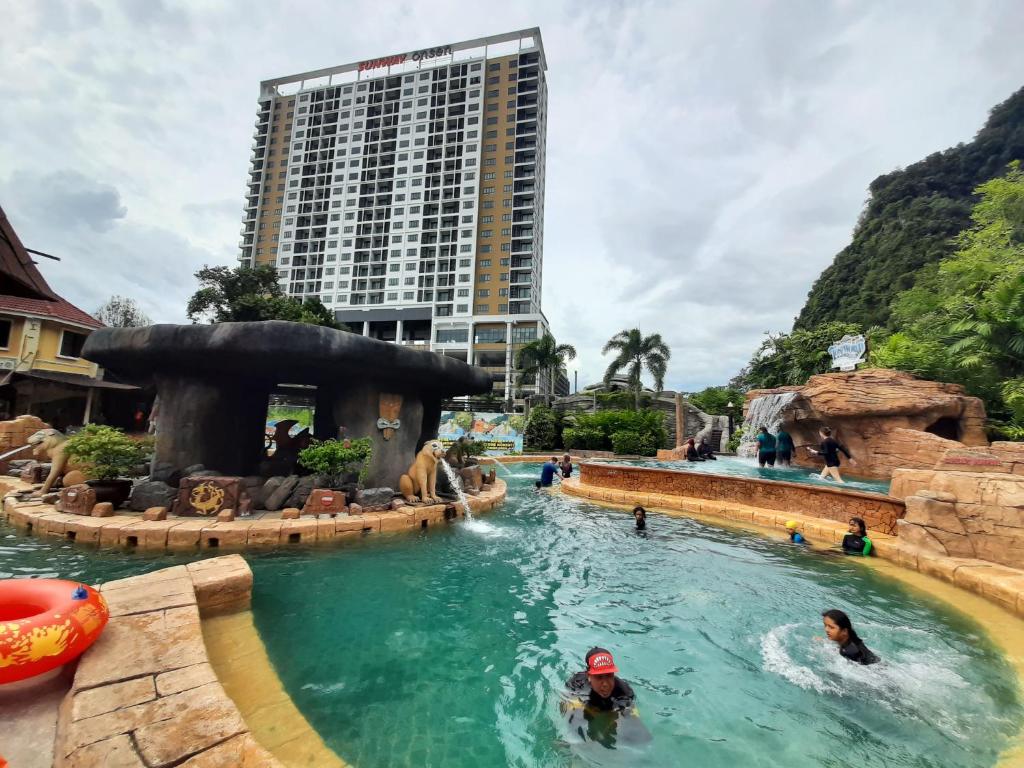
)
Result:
{"points": [[705, 160]]}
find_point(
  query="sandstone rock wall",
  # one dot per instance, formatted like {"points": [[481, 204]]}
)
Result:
{"points": [[977, 514], [883, 418], [879, 512]]}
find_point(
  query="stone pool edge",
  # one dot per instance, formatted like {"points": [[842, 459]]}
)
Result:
{"points": [[184, 534], [145, 693]]}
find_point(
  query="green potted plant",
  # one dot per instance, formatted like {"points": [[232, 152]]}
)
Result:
{"points": [[110, 457], [340, 463]]}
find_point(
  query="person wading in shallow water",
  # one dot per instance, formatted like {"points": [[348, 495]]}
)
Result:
{"points": [[765, 448], [841, 632], [829, 450], [856, 542]]}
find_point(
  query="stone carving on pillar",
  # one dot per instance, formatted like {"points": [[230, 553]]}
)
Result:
{"points": [[390, 407]]}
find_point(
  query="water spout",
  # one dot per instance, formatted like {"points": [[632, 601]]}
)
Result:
{"points": [[456, 482], [764, 411], [497, 464]]}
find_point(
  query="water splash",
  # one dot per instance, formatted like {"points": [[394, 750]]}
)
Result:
{"points": [[764, 411], [914, 678], [456, 482]]}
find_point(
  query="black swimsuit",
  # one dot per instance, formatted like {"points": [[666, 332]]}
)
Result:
{"points": [[622, 697], [858, 652]]}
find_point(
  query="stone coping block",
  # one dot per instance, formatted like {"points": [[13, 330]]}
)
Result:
{"points": [[880, 512], [135, 531], [997, 583], [145, 694]]}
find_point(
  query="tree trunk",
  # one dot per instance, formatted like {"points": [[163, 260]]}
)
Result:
{"points": [[636, 397]]}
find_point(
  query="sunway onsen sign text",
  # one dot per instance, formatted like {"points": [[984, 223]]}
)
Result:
{"points": [[401, 58]]}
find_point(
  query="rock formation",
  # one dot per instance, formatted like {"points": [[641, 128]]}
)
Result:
{"points": [[214, 382], [888, 419]]}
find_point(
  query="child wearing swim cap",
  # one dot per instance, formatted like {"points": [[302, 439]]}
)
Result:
{"points": [[794, 535]]}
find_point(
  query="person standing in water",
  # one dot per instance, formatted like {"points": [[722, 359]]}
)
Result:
{"points": [[640, 515], [783, 448], [765, 448], [705, 451], [548, 472], [566, 466], [856, 542], [829, 450], [691, 451], [840, 631]]}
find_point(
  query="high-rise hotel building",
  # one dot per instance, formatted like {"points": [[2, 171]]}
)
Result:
{"points": [[407, 193]]}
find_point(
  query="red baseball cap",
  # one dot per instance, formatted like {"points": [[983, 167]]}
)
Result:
{"points": [[601, 663]]}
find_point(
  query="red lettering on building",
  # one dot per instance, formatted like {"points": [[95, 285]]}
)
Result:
{"points": [[387, 61]]}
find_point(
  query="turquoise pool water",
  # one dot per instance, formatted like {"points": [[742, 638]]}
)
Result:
{"points": [[450, 647], [734, 466]]}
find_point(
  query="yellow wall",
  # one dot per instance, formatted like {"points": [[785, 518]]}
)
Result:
{"points": [[281, 132], [14, 344], [489, 277], [47, 358]]}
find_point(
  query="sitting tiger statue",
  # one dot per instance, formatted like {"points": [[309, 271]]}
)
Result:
{"points": [[421, 479]]}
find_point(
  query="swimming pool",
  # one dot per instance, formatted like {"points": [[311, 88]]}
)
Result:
{"points": [[450, 647], [735, 466]]}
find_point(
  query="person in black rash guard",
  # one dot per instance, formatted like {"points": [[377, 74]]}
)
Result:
{"points": [[856, 542], [841, 632], [829, 450], [640, 514], [705, 451], [599, 688], [691, 451]]}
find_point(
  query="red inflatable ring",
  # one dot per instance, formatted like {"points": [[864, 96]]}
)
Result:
{"points": [[45, 623]]}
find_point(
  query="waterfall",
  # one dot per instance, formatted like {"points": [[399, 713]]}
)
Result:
{"points": [[764, 411], [456, 482]]}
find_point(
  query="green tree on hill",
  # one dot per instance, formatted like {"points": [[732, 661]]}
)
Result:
{"points": [[964, 319], [910, 221]]}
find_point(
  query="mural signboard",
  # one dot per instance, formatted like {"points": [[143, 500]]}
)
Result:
{"points": [[500, 433]]}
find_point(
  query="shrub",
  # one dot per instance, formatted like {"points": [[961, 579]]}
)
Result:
{"points": [[108, 452], [543, 429], [336, 458], [734, 440], [649, 423], [586, 438], [627, 441]]}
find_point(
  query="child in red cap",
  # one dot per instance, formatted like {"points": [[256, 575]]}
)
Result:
{"points": [[599, 687]]}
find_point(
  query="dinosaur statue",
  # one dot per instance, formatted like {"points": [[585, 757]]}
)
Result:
{"points": [[49, 444]]}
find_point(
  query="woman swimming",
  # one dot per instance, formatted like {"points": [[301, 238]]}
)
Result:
{"points": [[856, 542], [841, 632]]}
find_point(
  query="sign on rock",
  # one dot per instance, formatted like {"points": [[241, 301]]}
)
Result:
{"points": [[848, 352]]}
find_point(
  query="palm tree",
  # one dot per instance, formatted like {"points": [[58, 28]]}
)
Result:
{"points": [[544, 355], [635, 352]]}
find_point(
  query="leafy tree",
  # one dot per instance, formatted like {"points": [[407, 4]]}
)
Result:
{"points": [[107, 451], [122, 312], [543, 429], [634, 353], [251, 293], [543, 355], [715, 401], [964, 319], [792, 358], [909, 222]]}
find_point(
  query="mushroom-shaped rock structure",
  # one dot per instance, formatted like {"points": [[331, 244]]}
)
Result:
{"points": [[214, 382]]}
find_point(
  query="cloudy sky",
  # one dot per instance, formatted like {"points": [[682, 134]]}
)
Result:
{"points": [[706, 160]]}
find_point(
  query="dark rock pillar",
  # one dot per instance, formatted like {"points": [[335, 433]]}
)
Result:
{"points": [[217, 423], [356, 411]]}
